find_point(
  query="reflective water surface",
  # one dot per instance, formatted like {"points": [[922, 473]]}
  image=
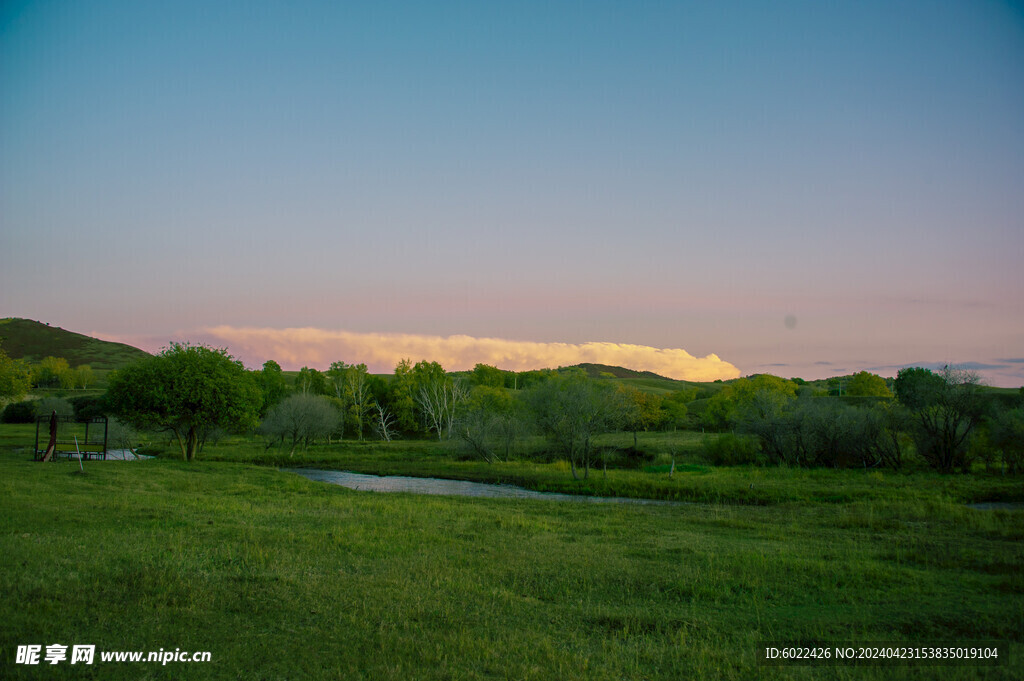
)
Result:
{"points": [[461, 488]]}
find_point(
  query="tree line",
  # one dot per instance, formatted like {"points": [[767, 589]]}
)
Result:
{"points": [[194, 391], [943, 419], [18, 377]]}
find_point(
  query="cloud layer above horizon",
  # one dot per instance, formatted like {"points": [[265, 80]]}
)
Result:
{"points": [[293, 348]]}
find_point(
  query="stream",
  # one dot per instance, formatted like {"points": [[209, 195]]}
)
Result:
{"points": [[460, 488]]}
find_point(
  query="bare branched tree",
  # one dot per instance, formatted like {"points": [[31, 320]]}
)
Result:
{"points": [[439, 400], [300, 418], [383, 422]]}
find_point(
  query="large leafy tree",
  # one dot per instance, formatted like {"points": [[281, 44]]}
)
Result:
{"points": [[401, 397], [187, 389], [485, 374], [866, 384], [759, 398], [273, 384], [53, 372], [917, 387]]}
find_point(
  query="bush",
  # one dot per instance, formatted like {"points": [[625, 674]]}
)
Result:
{"points": [[732, 450], [87, 407], [543, 454], [48, 405], [19, 412], [627, 457], [636, 458]]}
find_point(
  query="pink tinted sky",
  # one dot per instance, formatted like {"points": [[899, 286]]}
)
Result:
{"points": [[678, 176]]}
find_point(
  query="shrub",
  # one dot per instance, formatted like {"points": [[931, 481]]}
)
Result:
{"points": [[732, 450], [87, 406], [545, 455], [19, 412], [628, 457], [48, 405]]}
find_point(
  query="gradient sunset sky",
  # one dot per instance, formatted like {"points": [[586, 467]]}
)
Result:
{"points": [[802, 188]]}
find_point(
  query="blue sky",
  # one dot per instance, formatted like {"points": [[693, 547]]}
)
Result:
{"points": [[665, 174]]}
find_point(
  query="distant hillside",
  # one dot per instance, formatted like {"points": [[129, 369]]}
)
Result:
{"points": [[600, 371], [32, 341], [646, 381]]}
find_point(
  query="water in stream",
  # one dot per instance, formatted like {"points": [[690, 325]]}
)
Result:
{"points": [[461, 488]]}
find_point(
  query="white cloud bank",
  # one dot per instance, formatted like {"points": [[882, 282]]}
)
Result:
{"points": [[297, 347]]}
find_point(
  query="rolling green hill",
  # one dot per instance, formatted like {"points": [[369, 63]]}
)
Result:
{"points": [[603, 371], [32, 341], [646, 381]]}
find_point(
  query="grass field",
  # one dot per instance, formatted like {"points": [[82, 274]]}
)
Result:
{"points": [[283, 578]]}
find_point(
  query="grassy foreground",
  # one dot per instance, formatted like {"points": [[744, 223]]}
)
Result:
{"points": [[283, 578]]}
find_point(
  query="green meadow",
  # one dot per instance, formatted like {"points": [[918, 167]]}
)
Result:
{"points": [[283, 578]]}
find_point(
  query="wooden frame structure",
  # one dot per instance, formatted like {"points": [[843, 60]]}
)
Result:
{"points": [[91, 435]]}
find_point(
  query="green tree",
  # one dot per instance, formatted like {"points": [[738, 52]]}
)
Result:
{"points": [[273, 385], [480, 420], [947, 408], [720, 411], [1006, 433], [83, 376], [189, 390], [864, 384], [485, 374], [53, 372], [747, 400], [889, 422], [917, 387], [640, 411], [15, 379], [401, 401], [571, 409], [311, 382], [336, 376], [358, 396], [527, 379], [674, 408]]}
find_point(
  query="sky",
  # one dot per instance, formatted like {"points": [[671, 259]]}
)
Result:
{"points": [[703, 189]]}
